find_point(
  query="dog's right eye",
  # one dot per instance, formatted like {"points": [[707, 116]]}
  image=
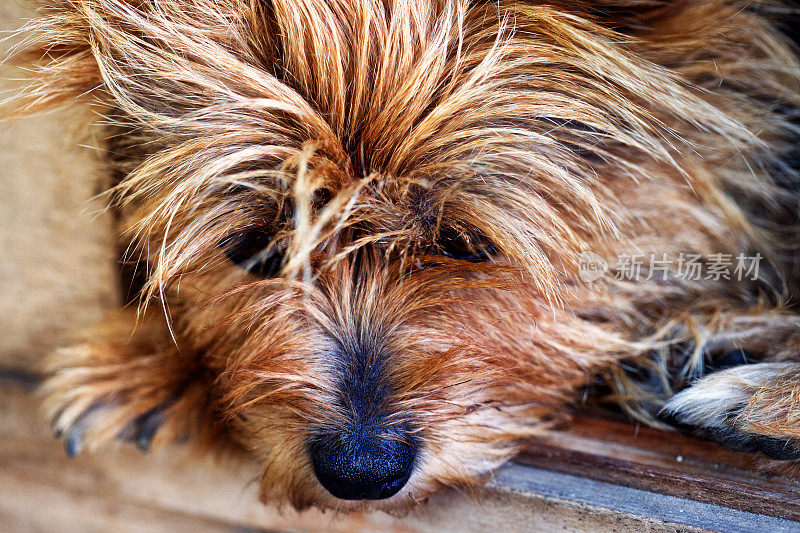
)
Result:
{"points": [[465, 246], [254, 251]]}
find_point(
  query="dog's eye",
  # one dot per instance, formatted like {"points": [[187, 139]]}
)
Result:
{"points": [[465, 246], [254, 251]]}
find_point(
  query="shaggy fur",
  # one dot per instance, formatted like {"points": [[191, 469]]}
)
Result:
{"points": [[407, 187]]}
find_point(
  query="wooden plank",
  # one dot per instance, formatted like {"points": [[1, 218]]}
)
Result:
{"points": [[27, 506], [667, 463], [631, 502]]}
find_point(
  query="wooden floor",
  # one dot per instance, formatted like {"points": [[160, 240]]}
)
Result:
{"points": [[669, 463]]}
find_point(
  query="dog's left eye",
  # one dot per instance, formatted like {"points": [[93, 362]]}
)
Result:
{"points": [[465, 246], [254, 251]]}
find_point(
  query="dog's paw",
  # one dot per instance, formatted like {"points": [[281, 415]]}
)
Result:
{"points": [[746, 408], [100, 420], [95, 396]]}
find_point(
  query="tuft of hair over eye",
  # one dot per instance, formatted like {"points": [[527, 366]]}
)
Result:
{"points": [[254, 250]]}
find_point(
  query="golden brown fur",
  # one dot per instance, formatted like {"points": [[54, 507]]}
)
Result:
{"points": [[360, 133]]}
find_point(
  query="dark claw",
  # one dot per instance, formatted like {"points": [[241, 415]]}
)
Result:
{"points": [[73, 444], [781, 449], [777, 448], [140, 431], [146, 426], [143, 428], [732, 439]]}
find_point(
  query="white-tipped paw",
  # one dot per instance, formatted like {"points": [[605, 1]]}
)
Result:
{"points": [[718, 407]]}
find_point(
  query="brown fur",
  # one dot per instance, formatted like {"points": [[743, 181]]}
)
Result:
{"points": [[360, 132]]}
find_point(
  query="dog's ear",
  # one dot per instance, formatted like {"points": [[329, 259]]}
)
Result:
{"points": [[624, 16], [56, 55], [638, 17], [142, 59], [787, 19]]}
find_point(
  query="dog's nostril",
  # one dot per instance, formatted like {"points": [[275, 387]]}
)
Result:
{"points": [[362, 468]]}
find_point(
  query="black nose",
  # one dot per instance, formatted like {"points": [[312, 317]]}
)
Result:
{"points": [[363, 466]]}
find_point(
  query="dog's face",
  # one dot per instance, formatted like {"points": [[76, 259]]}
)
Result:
{"points": [[403, 351], [364, 217]]}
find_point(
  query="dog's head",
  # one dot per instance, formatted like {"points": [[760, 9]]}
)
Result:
{"points": [[365, 217]]}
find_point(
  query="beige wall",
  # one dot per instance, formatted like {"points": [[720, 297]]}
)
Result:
{"points": [[57, 265]]}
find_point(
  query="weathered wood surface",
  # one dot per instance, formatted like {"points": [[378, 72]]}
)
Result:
{"points": [[669, 463]]}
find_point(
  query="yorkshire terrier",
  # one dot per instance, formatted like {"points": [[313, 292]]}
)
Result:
{"points": [[381, 243]]}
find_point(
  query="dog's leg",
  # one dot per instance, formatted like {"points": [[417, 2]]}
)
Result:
{"points": [[730, 377], [748, 407], [132, 382]]}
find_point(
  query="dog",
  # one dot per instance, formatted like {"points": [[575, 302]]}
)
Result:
{"points": [[379, 245]]}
